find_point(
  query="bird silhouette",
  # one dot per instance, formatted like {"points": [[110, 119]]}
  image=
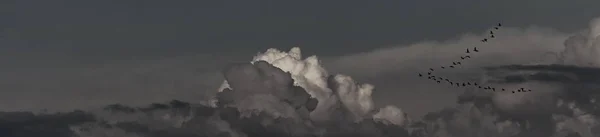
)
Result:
{"points": [[529, 90], [453, 63], [468, 83], [428, 73], [462, 57], [463, 84], [468, 51], [431, 69], [495, 27], [458, 62], [452, 66], [503, 89], [475, 84], [438, 81], [513, 91], [484, 40], [443, 67], [467, 56], [499, 25], [475, 49], [492, 36], [492, 32], [420, 75]]}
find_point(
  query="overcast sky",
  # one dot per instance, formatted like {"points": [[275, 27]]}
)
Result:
{"points": [[104, 32]]}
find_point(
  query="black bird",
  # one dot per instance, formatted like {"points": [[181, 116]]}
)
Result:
{"points": [[529, 90], [492, 36], [458, 84], [428, 73], [495, 27], [474, 49], [468, 51], [478, 86], [420, 75], [453, 63], [451, 83], [519, 90], [499, 25], [443, 67], [447, 79], [484, 40], [464, 84], [475, 84], [468, 83], [452, 66], [492, 32], [431, 69], [513, 91], [462, 57], [468, 55], [502, 89], [493, 89], [438, 81], [458, 62]]}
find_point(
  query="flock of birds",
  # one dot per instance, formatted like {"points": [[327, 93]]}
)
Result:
{"points": [[455, 64]]}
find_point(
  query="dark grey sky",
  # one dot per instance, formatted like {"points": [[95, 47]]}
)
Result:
{"points": [[325, 27], [131, 44]]}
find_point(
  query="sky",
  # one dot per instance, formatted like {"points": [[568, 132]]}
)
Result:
{"points": [[95, 52]]}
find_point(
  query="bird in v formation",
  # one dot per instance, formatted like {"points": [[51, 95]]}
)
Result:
{"points": [[456, 63]]}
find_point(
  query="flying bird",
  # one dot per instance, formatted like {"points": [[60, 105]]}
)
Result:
{"points": [[495, 27], [484, 40], [499, 25], [452, 66], [443, 67], [468, 51], [438, 81], [492, 32], [462, 57], [503, 89], [458, 62], [453, 63], [428, 73], [475, 49], [431, 69], [492, 36], [420, 75], [468, 55]]}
